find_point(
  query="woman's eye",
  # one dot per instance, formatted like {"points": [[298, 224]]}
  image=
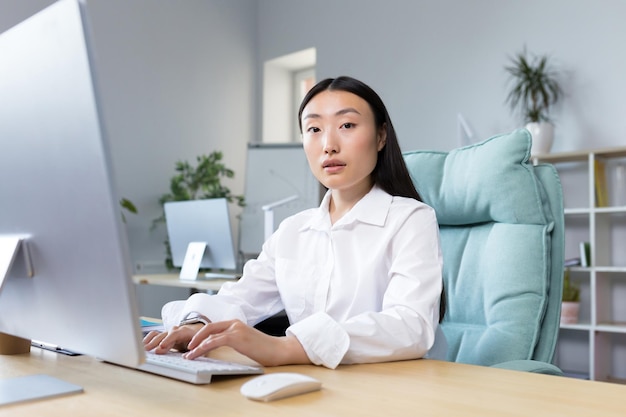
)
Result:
{"points": [[347, 125], [313, 129]]}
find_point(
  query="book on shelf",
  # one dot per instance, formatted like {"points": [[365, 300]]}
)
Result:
{"points": [[572, 262], [602, 194], [585, 254]]}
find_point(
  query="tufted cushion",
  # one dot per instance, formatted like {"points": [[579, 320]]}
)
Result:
{"points": [[495, 235], [489, 181]]}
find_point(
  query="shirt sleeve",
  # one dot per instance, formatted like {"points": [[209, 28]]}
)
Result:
{"points": [[324, 340]]}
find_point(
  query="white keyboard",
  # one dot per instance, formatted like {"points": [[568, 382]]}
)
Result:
{"points": [[197, 371]]}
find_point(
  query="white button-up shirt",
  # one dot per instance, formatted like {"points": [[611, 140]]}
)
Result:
{"points": [[365, 289]]}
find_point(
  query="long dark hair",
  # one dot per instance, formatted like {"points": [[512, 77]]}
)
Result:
{"points": [[390, 172]]}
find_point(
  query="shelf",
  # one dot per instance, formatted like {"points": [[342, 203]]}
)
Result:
{"points": [[603, 327], [610, 210], [596, 346], [553, 158], [576, 326], [610, 269], [600, 269], [611, 327], [618, 152], [577, 211]]}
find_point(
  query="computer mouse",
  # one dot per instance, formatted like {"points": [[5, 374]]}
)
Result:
{"points": [[269, 387]]}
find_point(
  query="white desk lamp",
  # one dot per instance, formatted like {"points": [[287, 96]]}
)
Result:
{"points": [[269, 214]]}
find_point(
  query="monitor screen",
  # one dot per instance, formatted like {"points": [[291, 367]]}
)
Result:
{"points": [[201, 221], [56, 189]]}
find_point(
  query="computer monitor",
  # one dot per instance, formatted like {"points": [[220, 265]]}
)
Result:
{"points": [[201, 221], [56, 189]]}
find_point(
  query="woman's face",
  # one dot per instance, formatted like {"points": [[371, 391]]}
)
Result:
{"points": [[341, 140]]}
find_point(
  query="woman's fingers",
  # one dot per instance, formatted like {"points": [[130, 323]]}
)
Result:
{"points": [[177, 338], [212, 336], [258, 346], [152, 339], [211, 329]]}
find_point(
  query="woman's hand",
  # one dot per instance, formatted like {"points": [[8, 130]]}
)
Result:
{"points": [[177, 338], [258, 346]]}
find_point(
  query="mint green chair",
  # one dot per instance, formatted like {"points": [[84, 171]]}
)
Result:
{"points": [[501, 222]]}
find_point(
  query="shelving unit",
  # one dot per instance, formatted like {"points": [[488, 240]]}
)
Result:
{"points": [[595, 347]]}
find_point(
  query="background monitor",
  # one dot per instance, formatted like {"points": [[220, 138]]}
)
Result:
{"points": [[56, 188], [201, 221]]}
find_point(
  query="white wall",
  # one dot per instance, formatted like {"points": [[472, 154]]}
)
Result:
{"points": [[176, 79], [182, 78], [430, 60], [277, 84], [176, 82]]}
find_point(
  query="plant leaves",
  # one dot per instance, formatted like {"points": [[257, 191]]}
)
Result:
{"points": [[535, 87]]}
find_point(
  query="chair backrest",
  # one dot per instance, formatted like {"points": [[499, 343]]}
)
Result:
{"points": [[502, 237]]}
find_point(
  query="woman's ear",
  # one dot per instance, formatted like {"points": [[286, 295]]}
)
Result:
{"points": [[382, 137]]}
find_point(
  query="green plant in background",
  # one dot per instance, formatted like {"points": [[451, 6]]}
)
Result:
{"points": [[571, 291], [201, 182], [204, 181], [127, 205], [535, 86]]}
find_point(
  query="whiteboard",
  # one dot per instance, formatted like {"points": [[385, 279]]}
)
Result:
{"points": [[274, 172]]}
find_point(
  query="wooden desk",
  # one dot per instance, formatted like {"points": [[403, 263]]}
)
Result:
{"points": [[412, 388], [172, 280]]}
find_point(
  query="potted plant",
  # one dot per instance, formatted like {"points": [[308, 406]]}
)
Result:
{"points": [[201, 182], [534, 91], [570, 304]]}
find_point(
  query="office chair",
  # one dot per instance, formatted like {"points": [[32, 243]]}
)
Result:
{"points": [[502, 238]]}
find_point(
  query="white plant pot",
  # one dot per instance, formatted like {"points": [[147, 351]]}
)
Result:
{"points": [[569, 312], [543, 136]]}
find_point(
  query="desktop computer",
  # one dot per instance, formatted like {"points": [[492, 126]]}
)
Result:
{"points": [[58, 196], [65, 272], [203, 221]]}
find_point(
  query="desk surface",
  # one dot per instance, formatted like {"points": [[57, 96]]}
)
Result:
{"points": [[172, 280], [411, 388]]}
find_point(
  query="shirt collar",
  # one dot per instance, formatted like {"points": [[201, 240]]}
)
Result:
{"points": [[372, 208]]}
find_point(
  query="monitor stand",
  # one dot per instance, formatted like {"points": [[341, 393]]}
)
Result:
{"points": [[191, 265], [10, 246], [13, 345], [192, 260], [29, 387], [34, 387]]}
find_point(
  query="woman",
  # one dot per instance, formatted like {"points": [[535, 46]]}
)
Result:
{"points": [[359, 277]]}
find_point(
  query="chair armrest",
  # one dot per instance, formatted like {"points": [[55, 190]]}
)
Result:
{"points": [[537, 367]]}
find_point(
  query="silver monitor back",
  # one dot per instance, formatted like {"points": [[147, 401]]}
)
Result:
{"points": [[201, 221], [56, 187]]}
